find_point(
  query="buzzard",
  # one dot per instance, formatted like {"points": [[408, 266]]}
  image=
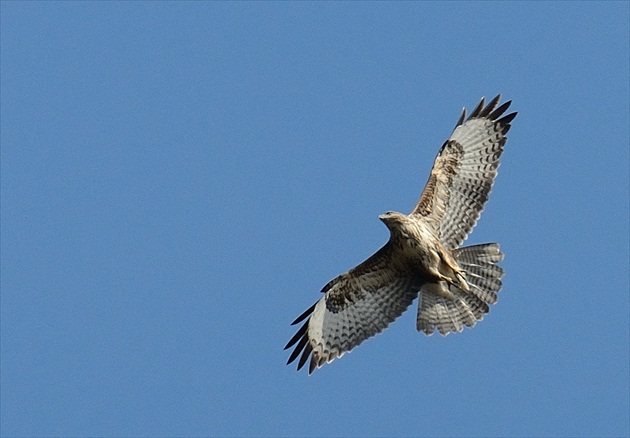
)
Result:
{"points": [[423, 257]]}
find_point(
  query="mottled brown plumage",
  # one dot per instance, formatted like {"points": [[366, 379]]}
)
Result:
{"points": [[423, 256]]}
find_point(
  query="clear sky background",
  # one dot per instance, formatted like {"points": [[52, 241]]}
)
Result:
{"points": [[179, 180]]}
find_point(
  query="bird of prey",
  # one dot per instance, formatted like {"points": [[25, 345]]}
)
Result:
{"points": [[423, 257]]}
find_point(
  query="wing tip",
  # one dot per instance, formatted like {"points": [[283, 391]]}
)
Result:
{"points": [[475, 112], [491, 111], [490, 107], [297, 336], [304, 315], [300, 342], [506, 120], [308, 350], [461, 118]]}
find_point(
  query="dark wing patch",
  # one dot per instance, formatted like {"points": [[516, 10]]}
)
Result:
{"points": [[343, 295], [433, 198]]}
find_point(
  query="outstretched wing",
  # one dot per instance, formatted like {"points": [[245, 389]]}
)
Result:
{"points": [[356, 306], [464, 171]]}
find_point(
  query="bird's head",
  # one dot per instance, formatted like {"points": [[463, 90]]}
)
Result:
{"points": [[393, 219]]}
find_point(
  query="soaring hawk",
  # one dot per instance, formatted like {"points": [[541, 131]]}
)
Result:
{"points": [[423, 257]]}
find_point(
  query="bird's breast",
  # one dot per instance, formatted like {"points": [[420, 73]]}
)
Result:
{"points": [[418, 245]]}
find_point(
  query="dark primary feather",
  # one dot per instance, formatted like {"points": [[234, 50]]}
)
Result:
{"points": [[475, 112], [500, 110], [490, 107], [461, 118], [301, 338], [505, 121], [306, 313]]}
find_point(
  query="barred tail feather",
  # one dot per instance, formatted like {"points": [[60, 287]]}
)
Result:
{"points": [[482, 274], [451, 313]]}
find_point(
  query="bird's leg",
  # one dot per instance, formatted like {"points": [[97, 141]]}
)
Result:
{"points": [[454, 274], [441, 277], [461, 279], [457, 277]]}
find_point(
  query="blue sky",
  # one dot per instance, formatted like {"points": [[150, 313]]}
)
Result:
{"points": [[179, 180]]}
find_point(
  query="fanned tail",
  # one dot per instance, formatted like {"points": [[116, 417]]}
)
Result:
{"points": [[463, 309]]}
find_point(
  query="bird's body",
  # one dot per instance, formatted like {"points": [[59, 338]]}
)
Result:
{"points": [[413, 241], [423, 257]]}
